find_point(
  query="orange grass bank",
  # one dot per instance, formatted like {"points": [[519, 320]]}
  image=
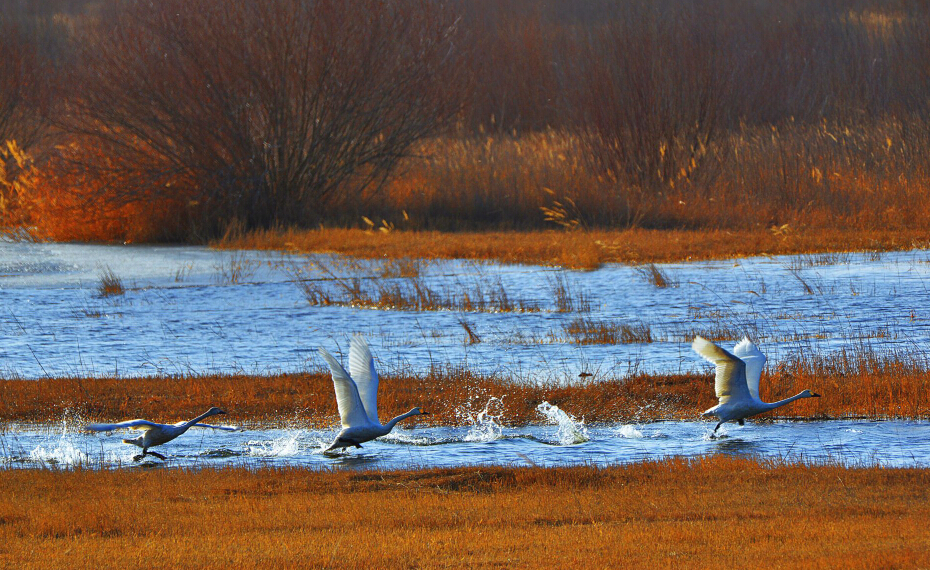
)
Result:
{"points": [[852, 386], [710, 512], [578, 249]]}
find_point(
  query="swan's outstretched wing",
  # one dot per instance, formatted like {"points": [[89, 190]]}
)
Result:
{"points": [[224, 428], [351, 411], [730, 382], [362, 368], [755, 362], [131, 424]]}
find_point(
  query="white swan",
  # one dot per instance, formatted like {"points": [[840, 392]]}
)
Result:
{"points": [[157, 434], [357, 397], [737, 381]]}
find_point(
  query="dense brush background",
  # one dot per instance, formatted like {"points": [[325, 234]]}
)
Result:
{"points": [[184, 120]]}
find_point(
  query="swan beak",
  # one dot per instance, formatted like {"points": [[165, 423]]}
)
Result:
{"points": [[424, 413], [813, 395]]}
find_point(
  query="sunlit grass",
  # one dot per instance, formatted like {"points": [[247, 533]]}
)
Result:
{"points": [[685, 513], [853, 384], [577, 249]]}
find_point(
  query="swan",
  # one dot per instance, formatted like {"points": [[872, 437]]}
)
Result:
{"points": [[737, 381], [157, 434], [357, 397]]}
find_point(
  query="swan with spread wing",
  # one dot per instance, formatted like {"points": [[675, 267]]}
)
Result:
{"points": [[158, 434], [357, 397], [737, 381]]}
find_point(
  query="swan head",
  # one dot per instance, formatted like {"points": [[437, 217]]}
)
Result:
{"points": [[809, 394], [215, 411], [418, 412]]}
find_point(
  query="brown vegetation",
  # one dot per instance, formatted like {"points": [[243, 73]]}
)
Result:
{"points": [[580, 249], [677, 513], [469, 115], [853, 385]]}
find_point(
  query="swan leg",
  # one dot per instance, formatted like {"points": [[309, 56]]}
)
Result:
{"points": [[741, 422], [718, 426], [158, 455], [358, 445]]}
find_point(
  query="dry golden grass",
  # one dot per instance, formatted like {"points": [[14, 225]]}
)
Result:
{"points": [[855, 385], [699, 513], [577, 249]]}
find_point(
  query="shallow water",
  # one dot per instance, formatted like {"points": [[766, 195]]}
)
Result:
{"points": [[194, 310], [851, 443]]}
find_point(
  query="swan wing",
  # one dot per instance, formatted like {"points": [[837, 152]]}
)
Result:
{"points": [[131, 424], [730, 381], [351, 411], [224, 428], [755, 362], [362, 369]]}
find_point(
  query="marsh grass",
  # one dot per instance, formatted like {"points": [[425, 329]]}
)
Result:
{"points": [[855, 383], [579, 249], [568, 295], [637, 515], [656, 276], [588, 331], [111, 285], [402, 287], [234, 269]]}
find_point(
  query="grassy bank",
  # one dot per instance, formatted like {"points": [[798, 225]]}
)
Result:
{"points": [[578, 249], [853, 385], [676, 514]]}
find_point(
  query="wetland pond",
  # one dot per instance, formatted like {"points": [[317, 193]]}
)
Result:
{"points": [[192, 310]]}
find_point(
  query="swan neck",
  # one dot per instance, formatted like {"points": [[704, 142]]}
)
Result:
{"points": [[390, 425], [781, 403], [197, 419]]}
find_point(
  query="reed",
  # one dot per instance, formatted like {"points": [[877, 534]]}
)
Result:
{"points": [[579, 249], [656, 276], [402, 287], [110, 284], [856, 383], [588, 331], [683, 513]]}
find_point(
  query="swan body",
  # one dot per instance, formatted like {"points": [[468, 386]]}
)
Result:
{"points": [[158, 434], [357, 397], [737, 381]]}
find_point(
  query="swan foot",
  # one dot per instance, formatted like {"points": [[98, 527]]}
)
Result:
{"points": [[741, 422], [158, 455], [358, 445]]}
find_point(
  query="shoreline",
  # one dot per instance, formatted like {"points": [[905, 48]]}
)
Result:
{"points": [[583, 249]]}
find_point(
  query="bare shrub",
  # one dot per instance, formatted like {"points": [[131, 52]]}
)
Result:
{"points": [[650, 98], [265, 112]]}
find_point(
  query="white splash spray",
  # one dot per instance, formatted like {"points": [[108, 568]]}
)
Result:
{"points": [[286, 445], [63, 451], [485, 425], [571, 430]]}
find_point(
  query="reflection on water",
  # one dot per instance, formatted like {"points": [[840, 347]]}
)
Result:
{"points": [[854, 443], [193, 310]]}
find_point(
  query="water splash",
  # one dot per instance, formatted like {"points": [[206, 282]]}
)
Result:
{"points": [[485, 425], [571, 431], [287, 445], [629, 432], [63, 451]]}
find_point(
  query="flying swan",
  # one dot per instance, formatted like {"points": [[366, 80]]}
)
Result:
{"points": [[157, 434], [357, 397], [737, 381]]}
